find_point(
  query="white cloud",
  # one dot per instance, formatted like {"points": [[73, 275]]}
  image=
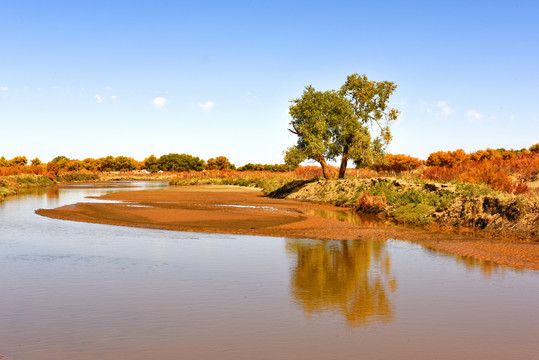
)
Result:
{"points": [[474, 115], [444, 108], [207, 105], [440, 108], [98, 98], [4, 88], [159, 102], [113, 97]]}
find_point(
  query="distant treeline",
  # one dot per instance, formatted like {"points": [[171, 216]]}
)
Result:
{"points": [[153, 164], [389, 163]]}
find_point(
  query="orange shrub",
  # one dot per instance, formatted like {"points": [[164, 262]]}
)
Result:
{"points": [[28, 169], [399, 163], [370, 203], [489, 174], [447, 158]]}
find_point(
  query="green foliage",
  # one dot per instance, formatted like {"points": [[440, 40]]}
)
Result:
{"points": [[267, 167], [316, 117], [10, 185], [334, 124], [267, 185], [73, 177], [414, 213], [395, 196], [124, 163], [107, 163], [180, 162], [473, 190], [370, 102], [151, 164]]}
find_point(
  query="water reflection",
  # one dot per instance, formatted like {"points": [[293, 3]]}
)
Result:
{"points": [[487, 268], [346, 216], [351, 278]]}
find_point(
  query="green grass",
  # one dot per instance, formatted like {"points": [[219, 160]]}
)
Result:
{"points": [[11, 185], [397, 196], [411, 213], [73, 177], [267, 185]]}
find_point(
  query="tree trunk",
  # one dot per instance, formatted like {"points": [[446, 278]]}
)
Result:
{"points": [[344, 164], [325, 169]]}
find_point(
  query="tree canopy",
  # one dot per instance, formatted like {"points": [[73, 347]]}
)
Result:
{"points": [[332, 124]]}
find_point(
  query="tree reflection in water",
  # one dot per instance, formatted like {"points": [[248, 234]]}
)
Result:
{"points": [[352, 278]]}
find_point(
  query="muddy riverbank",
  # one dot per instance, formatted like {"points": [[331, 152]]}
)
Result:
{"points": [[237, 210]]}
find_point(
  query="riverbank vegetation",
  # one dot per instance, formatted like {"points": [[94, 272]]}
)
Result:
{"points": [[497, 190]]}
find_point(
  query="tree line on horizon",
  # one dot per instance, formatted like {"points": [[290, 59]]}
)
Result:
{"points": [[170, 162], [389, 163]]}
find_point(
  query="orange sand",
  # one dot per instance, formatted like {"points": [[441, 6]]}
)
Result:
{"points": [[235, 210]]}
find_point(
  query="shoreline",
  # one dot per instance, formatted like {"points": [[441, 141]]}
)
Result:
{"points": [[246, 211]]}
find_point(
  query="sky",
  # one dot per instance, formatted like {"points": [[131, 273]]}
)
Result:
{"points": [[215, 78]]}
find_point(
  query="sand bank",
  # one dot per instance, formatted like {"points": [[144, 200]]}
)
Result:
{"points": [[246, 211]]}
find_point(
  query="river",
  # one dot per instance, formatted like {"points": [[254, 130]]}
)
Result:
{"points": [[72, 290]]}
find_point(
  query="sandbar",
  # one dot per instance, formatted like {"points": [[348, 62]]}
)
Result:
{"points": [[246, 211]]}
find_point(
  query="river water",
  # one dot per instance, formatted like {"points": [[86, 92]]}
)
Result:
{"points": [[71, 290]]}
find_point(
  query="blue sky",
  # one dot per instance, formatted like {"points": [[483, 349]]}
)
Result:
{"points": [[209, 78]]}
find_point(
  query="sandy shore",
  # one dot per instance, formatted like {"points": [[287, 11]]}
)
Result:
{"points": [[237, 210]]}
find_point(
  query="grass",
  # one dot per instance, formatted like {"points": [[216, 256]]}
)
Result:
{"points": [[414, 213], [74, 177], [13, 184], [267, 185]]}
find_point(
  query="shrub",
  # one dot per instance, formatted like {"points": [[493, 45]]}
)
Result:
{"points": [[370, 204], [447, 158], [398, 163], [219, 163], [489, 174]]}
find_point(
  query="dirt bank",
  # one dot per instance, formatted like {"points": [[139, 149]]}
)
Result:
{"points": [[439, 206], [240, 210]]}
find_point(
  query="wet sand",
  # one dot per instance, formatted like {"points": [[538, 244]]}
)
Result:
{"points": [[246, 211]]}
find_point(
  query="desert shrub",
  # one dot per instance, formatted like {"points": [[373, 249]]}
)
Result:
{"points": [[398, 163], [441, 173], [219, 163], [370, 203], [447, 158], [489, 174]]}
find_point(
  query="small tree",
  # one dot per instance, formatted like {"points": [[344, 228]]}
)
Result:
{"points": [[60, 162], [18, 161], [330, 124], [151, 164], [316, 118], [219, 163], [180, 162], [35, 161]]}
